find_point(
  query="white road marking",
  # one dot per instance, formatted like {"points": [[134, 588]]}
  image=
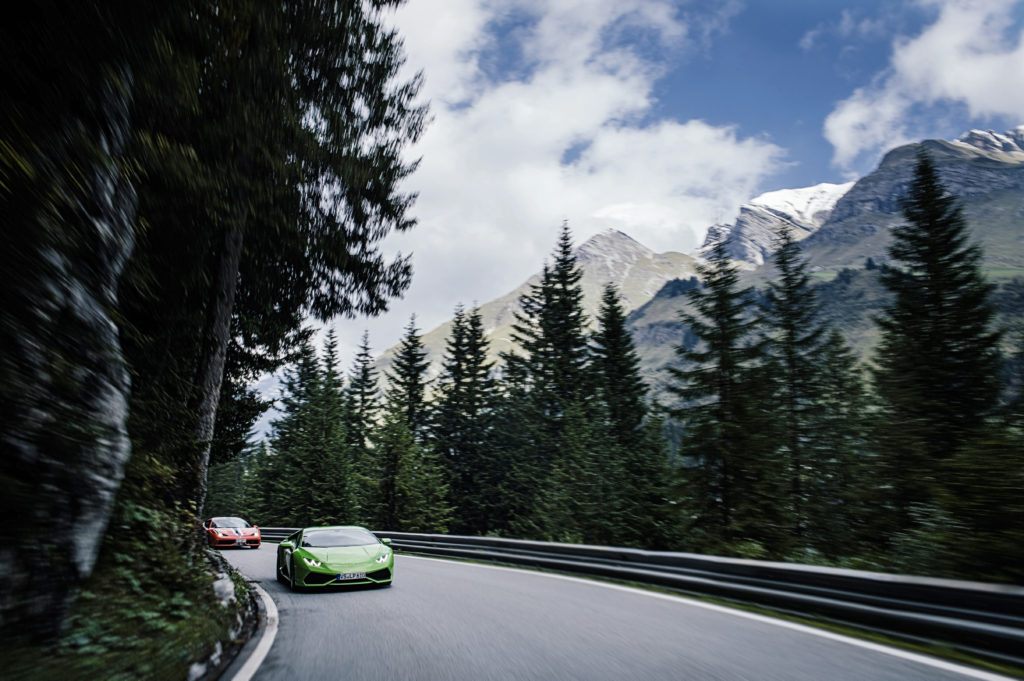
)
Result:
{"points": [[934, 662], [266, 638]]}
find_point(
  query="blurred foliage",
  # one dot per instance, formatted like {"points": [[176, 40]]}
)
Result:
{"points": [[148, 612], [253, 153]]}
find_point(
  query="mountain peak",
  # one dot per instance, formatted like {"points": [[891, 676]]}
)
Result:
{"points": [[752, 236], [612, 243], [991, 142], [807, 206]]}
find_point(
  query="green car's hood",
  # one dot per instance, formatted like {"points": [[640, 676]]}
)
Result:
{"points": [[346, 554]]}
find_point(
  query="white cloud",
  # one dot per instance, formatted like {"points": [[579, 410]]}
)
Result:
{"points": [[543, 112], [811, 38], [971, 56], [850, 26]]}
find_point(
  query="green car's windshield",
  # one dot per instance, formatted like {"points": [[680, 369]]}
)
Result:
{"points": [[337, 537]]}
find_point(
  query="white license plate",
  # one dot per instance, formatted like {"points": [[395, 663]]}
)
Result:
{"points": [[345, 576], [240, 542]]}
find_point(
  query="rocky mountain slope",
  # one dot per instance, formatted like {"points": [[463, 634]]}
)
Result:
{"points": [[752, 234], [985, 170], [610, 256], [842, 227]]}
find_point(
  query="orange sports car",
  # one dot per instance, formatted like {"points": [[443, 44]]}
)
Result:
{"points": [[226, 532]]}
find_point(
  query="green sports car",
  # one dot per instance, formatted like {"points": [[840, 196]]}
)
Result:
{"points": [[333, 556]]}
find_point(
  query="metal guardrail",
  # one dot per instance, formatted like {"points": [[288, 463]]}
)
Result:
{"points": [[979, 618]]}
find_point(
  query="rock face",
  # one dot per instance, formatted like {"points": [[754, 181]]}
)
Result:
{"points": [[753, 233], [984, 170], [63, 382], [977, 164], [610, 256]]}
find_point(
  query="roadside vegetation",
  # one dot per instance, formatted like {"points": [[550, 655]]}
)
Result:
{"points": [[776, 440], [184, 186]]}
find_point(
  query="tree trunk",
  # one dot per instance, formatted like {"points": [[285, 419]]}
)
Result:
{"points": [[211, 368]]}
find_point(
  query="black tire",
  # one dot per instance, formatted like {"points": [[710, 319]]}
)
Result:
{"points": [[280, 577], [291, 575]]}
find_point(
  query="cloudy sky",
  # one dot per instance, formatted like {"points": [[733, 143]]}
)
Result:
{"points": [[659, 117]]}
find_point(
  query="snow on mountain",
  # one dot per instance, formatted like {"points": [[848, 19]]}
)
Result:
{"points": [[753, 233], [809, 206], [1008, 146]]}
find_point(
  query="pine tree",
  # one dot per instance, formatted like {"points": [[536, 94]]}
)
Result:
{"points": [[421, 490], [462, 424], [794, 347], [405, 394], [937, 360], [635, 466], [362, 409], [413, 491], [730, 486], [841, 486], [575, 504], [551, 332], [329, 464], [293, 438]]}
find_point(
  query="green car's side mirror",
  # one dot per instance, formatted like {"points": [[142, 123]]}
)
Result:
{"points": [[386, 540]]}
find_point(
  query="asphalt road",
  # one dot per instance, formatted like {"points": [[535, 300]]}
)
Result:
{"points": [[444, 620]]}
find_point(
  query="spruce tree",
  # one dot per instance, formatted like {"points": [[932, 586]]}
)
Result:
{"points": [[551, 332], [575, 504], [257, 481], [329, 464], [405, 394], [405, 469], [413, 490], [293, 439], [308, 472], [462, 423], [731, 481], [937, 362], [616, 368], [841, 487], [362, 394], [421, 489], [520, 464], [635, 464], [794, 346]]}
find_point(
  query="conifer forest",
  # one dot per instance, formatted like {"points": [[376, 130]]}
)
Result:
{"points": [[193, 193], [771, 438]]}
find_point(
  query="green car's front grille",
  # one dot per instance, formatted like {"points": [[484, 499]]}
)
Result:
{"points": [[322, 578], [319, 578]]}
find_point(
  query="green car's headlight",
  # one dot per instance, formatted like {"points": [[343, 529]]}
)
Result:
{"points": [[383, 558], [312, 562]]}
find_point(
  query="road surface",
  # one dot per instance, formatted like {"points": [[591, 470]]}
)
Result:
{"points": [[451, 621]]}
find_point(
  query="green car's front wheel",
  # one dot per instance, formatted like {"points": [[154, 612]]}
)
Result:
{"points": [[291, 573]]}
